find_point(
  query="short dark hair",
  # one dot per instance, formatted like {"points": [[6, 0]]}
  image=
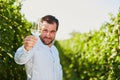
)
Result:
{"points": [[50, 19]]}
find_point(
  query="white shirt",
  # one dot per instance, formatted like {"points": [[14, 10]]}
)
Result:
{"points": [[41, 62]]}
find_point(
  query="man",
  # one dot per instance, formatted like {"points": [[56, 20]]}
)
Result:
{"points": [[38, 53]]}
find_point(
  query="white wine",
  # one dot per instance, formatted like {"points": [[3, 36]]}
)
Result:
{"points": [[35, 29]]}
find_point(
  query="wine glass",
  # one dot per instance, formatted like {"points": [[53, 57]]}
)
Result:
{"points": [[35, 28]]}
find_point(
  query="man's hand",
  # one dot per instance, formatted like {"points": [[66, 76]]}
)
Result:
{"points": [[29, 42]]}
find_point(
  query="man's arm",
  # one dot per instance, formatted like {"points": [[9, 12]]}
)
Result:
{"points": [[24, 53], [60, 73], [22, 56]]}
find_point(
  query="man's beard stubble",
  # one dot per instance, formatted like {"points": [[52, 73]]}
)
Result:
{"points": [[42, 39]]}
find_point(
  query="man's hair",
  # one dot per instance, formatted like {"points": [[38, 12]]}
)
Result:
{"points": [[50, 19]]}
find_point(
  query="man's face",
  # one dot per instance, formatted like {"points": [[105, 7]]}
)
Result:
{"points": [[48, 32]]}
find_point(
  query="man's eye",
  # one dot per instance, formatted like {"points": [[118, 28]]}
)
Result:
{"points": [[53, 31], [45, 31]]}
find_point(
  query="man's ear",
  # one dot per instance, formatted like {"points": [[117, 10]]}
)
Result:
{"points": [[40, 30]]}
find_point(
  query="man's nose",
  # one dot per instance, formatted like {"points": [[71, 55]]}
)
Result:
{"points": [[48, 34]]}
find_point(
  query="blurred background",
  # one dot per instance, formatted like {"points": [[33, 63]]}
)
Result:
{"points": [[88, 39], [79, 15]]}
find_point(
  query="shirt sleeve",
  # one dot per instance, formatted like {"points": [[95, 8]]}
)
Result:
{"points": [[59, 67], [60, 73], [22, 56]]}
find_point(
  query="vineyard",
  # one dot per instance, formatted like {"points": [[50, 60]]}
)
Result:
{"points": [[94, 55], [85, 56]]}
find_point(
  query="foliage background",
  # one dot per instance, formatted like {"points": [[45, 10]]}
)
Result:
{"points": [[13, 28], [85, 56], [94, 55]]}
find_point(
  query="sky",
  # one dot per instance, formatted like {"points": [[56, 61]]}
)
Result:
{"points": [[74, 15]]}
